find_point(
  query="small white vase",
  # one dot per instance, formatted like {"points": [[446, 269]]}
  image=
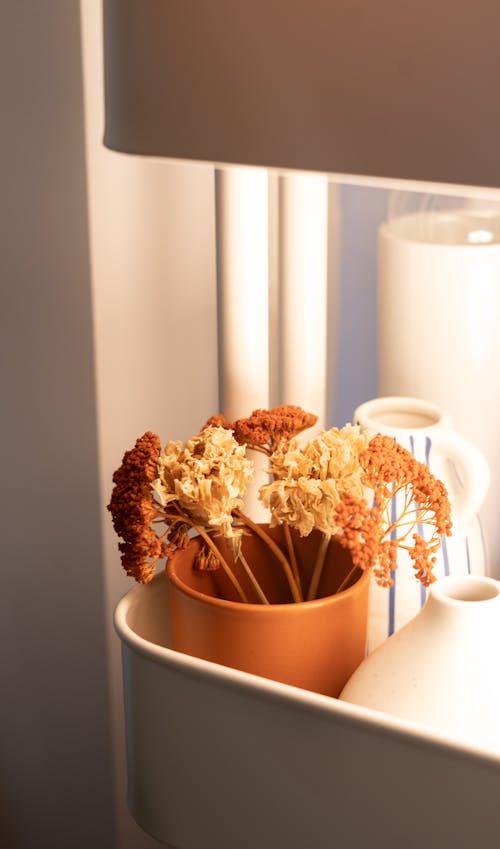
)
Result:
{"points": [[427, 432], [443, 668]]}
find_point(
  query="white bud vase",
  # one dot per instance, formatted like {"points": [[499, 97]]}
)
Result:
{"points": [[443, 668], [427, 432]]}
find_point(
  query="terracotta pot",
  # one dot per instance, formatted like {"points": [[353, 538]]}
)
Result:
{"points": [[316, 644]]}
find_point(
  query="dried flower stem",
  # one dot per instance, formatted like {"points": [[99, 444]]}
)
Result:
{"points": [[227, 569], [318, 566], [296, 594], [253, 580], [259, 449], [343, 585], [293, 559]]}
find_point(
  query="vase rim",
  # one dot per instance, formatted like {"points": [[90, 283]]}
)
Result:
{"points": [[444, 230], [255, 608], [459, 590], [389, 412]]}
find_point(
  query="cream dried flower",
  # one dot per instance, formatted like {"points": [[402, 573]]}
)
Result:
{"points": [[310, 480], [206, 476]]}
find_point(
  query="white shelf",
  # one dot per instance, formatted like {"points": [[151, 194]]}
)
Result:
{"points": [[219, 759]]}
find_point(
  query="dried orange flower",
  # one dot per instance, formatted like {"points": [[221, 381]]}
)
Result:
{"points": [[219, 420], [133, 510], [206, 477], [267, 429], [406, 495]]}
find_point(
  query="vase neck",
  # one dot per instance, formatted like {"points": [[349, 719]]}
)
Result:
{"points": [[470, 595]]}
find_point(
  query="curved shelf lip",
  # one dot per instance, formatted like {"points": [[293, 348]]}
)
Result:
{"points": [[303, 700]]}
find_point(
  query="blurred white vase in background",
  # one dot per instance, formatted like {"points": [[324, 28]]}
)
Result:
{"points": [[439, 319]]}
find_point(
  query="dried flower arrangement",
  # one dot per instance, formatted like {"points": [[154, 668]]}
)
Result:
{"points": [[344, 482]]}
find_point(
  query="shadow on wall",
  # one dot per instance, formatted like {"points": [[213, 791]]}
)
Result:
{"points": [[362, 211], [55, 782]]}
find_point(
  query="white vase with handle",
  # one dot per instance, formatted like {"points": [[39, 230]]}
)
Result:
{"points": [[427, 432], [441, 669]]}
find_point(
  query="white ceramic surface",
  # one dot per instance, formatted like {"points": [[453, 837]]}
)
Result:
{"points": [[438, 330], [427, 432], [443, 667], [219, 759]]}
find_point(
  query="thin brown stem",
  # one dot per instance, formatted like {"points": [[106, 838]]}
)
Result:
{"points": [[253, 580], [293, 558], [261, 449], [431, 544], [347, 579], [276, 551], [318, 566], [227, 569]]}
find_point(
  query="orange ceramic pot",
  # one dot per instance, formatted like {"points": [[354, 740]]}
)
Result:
{"points": [[316, 644]]}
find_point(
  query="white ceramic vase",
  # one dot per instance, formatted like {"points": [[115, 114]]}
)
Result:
{"points": [[427, 432], [443, 668], [438, 325]]}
